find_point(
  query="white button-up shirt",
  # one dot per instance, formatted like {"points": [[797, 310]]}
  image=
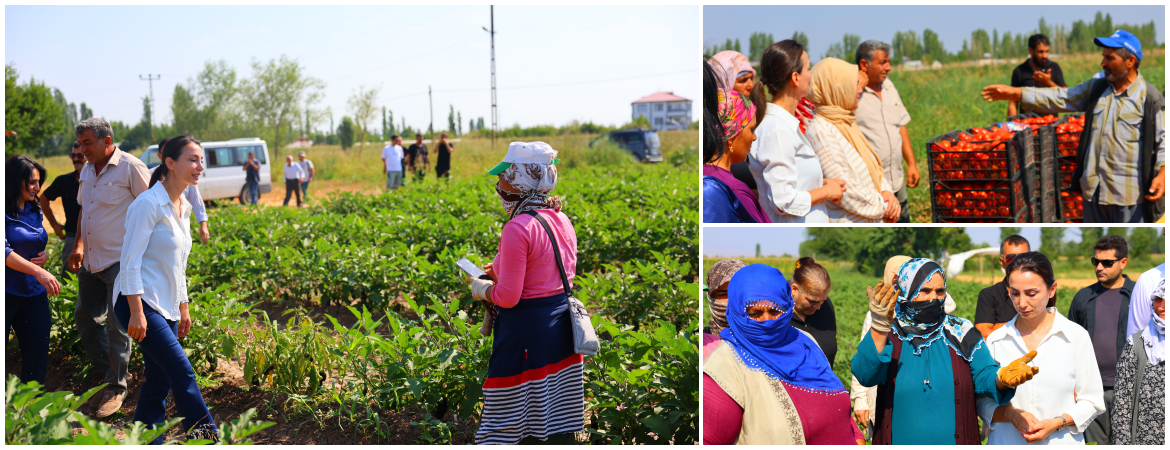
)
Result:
{"points": [[785, 168], [1068, 370], [155, 251]]}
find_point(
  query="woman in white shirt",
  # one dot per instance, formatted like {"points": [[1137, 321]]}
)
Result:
{"points": [[1062, 400], [151, 289], [787, 170], [843, 151], [193, 197]]}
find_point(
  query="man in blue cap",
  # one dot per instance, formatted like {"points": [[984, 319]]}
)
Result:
{"points": [[1122, 154]]}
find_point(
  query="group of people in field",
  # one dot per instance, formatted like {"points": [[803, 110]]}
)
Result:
{"points": [[1022, 373], [789, 143], [397, 161], [127, 237]]}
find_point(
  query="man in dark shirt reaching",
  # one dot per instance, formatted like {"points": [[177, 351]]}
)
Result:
{"points": [[65, 187], [1037, 70], [994, 308]]}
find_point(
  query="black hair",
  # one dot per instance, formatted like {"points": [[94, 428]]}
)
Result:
{"points": [[1014, 239], [17, 171], [394, 136], [808, 274], [173, 150], [161, 144], [714, 142], [1036, 263], [1037, 39], [1113, 242], [76, 144], [779, 61]]}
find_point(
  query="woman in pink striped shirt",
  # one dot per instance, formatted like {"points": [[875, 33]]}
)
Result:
{"points": [[534, 389]]}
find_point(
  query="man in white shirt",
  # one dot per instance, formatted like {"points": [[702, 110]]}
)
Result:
{"points": [[293, 174], [309, 173], [392, 163], [110, 182], [882, 118]]}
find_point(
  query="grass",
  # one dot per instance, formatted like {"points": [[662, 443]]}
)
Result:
{"points": [[948, 99], [851, 305]]}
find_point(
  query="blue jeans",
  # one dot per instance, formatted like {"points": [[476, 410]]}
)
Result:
{"points": [[254, 190], [305, 189], [30, 318], [167, 369]]}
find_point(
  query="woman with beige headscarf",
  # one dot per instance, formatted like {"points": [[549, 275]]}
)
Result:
{"points": [[842, 149]]}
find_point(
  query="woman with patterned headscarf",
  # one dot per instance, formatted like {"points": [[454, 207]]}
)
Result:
{"points": [[767, 382], [934, 363], [1139, 403], [534, 389], [717, 279], [842, 149], [734, 71], [726, 199]]}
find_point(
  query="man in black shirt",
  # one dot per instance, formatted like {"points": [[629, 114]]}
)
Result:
{"points": [[417, 154], [65, 187], [994, 308], [1037, 70]]}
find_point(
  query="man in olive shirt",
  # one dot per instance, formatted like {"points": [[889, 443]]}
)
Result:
{"points": [[1037, 70], [882, 118], [1102, 309], [994, 308]]}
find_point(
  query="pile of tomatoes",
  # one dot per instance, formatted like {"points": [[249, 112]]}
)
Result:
{"points": [[978, 155], [1073, 204], [1066, 173], [972, 199], [1037, 122], [1068, 135]]}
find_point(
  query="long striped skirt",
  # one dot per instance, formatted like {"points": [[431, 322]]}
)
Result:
{"points": [[535, 385]]}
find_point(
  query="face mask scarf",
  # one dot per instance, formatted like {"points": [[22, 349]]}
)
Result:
{"points": [[922, 323], [720, 273], [773, 346], [534, 181]]}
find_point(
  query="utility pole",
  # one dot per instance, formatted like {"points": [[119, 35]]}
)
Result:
{"points": [[150, 120], [492, 31], [431, 103]]}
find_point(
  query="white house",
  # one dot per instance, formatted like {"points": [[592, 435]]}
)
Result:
{"points": [[665, 110]]}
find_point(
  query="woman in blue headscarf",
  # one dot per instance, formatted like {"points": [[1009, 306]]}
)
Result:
{"points": [[934, 364], [767, 382]]}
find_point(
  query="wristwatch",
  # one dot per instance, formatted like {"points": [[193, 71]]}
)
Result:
{"points": [[1063, 421]]}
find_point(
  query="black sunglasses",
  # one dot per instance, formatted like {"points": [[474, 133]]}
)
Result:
{"points": [[77, 156], [1007, 259], [1107, 263]]}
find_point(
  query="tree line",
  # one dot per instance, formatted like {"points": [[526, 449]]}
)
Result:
{"points": [[911, 46]]}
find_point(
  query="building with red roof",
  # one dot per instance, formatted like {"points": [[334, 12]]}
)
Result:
{"points": [[665, 111]]}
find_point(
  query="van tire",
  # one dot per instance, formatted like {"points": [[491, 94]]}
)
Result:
{"points": [[244, 200]]}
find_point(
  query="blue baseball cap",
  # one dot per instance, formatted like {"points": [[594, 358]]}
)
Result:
{"points": [[1122, 38]]}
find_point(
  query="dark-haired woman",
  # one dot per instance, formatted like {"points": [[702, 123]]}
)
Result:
{"points": [[928, 365], [193, 197], [766, 382], [782, 161], [151, 289], [726, 199], [1062, 400], [27, 285]]}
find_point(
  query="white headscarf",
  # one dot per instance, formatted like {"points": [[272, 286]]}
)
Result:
{"points": [[534, 181], [1154, 336]]}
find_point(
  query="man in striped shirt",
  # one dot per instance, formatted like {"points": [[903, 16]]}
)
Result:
{"points": [[1121, 166]]}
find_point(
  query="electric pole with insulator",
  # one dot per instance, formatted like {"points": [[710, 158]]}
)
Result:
{"points": [[492, 31], [150, 120]]}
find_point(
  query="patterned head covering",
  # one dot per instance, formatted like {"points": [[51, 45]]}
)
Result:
{"points": [[730, 65], [1154, 336], [720, 273], [833, 89], [923, 323], [735, 111], [774, 347], [534, 181]]}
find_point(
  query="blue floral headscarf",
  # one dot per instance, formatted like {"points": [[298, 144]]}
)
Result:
{"points": [[774, 346], [922, 323]]}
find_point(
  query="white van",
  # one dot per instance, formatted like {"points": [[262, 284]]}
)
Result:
{"points": [[223, 174]]}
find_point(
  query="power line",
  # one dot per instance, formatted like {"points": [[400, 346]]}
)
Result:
{"points": [[401, 61], [575, 83]]}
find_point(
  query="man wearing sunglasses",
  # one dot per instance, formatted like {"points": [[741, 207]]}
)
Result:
{"points": [[65, 187], [1102, 309], [994, 308]]}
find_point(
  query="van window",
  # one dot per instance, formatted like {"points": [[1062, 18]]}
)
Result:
{"points": [[151, 156], [242, 153], [220, 157], [635, 137]]}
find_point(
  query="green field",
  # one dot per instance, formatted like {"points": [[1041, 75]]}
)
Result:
{"points": [[948, 99], [851, 305]]}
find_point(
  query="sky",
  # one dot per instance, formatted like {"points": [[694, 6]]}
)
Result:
{"points": [[776, 241], [825, 25], [553, 64]]}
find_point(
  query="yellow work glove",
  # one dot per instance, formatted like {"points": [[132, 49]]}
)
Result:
{"points": [[1018, 371], [881, 305]]}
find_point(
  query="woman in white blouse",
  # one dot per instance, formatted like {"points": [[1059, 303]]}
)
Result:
{"points": [[843, 151], [151, 289], [1062, 400], [787, 171]]}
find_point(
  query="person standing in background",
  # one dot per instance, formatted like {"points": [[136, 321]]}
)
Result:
{"points": [[292, 180], [443, 165], [252, 176], [812, 311], [419, 161], [1102, 309], [65, 187], [392, 163], [1037, 70], [995, 308], [309, 173], [882, 118]]}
